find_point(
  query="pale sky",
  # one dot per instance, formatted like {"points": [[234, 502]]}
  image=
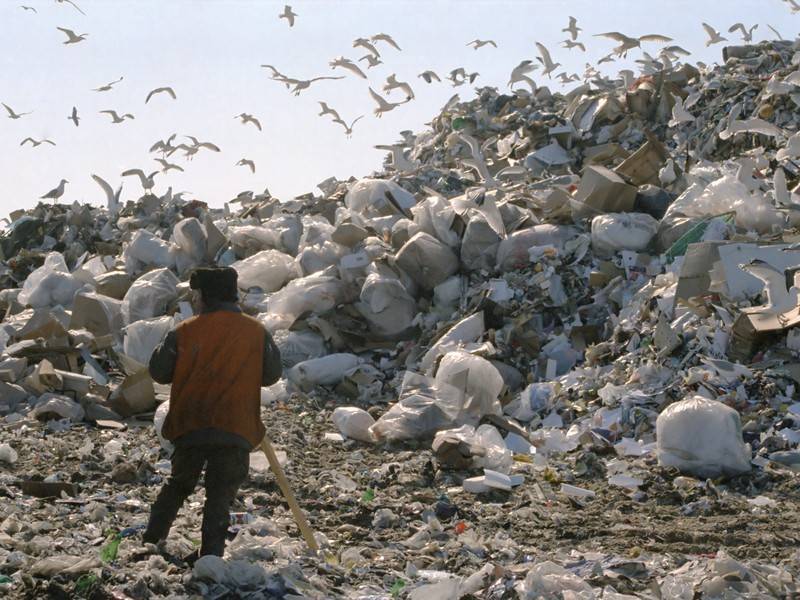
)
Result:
{"points": [[209, 51]]}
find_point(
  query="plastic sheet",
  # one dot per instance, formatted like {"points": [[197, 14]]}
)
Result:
{"points": [[368, 198], [354, 423], [427, 260], [480, 381], [146, 250], [267, 270], [142, 337], [622, 231], [49, 285], [149, 295]]}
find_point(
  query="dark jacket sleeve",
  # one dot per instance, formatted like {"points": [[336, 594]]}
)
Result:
{"points": [[272, 368], [162, 362]]}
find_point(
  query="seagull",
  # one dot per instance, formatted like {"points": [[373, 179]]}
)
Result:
{"points": [[115, 118], [429, 76], [679, 114], [112, 197], [276, 74], [29, 8], [392, 83], [569, 45], [107, 87], [674, 52], [476, 44], [753, 125], [166, 165], [346, 63], [778, 298], [207, 145], [160, 90], [713, 35], [56, 192], [148, 181], [572, 28], [365, 43], [327, 110], [565, 79], [12, 114], [459, 76], [399, 160], [245, 118], [747, 34], [74, 116], [385, 37], [245, 162], [606, 58], [72, 38], [73, 4], [36, 143], [288, 15], [163, 146], [383, 104], [549, 65], [372, 60], [304, 84], [793, 5], [628, 43], [348, 130], [520, 73]]}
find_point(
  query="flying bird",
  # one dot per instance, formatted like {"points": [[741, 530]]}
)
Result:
{"points": [[112, 197], [304, 84], [14, 115], [520, 74], [327, 110], [161, 90], [776, 32], [793, 5], [385, 37], [565, 79], [713, 35], [674, 52], [628, 43], [207, 145], [245, 162], [747, 34], [429, 76], [569, 45], [572, 28], [459, 76], [392, 84], [115, 118], [383, 104], [107, 87], [166, 165], [349, 65], [246, 118], [544, 58], [36, 143], [679, 114], [74, 116], [348, 129], [476, 44], [147, 181], [365, 43], [164, 146], [29, 8], [72, 37], [288, 15], [56, 192], [372, 60], [73, 4]]}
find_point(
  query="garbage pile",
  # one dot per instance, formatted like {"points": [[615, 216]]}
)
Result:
{"points": [[551, 350]]}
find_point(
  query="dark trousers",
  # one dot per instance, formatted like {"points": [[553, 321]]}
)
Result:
{"points": [[226, 469]]}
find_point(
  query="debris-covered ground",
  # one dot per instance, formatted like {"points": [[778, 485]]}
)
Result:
{"points": [[551, 351]]}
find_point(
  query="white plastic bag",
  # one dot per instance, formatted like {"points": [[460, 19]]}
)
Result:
{"points": [[549, 580], [468, 329], [146, 250], [268, 270], [298, 346], [480, 381], [702, 437], [149, 295], [513, 251], [435, 216], [142, 337], [622, 231], [479, 244], [367, 197], [49, 285], [326, 370], [386, 305], [315, 293], [427, 260], [354, 423], [158, 423], [191, 238]]}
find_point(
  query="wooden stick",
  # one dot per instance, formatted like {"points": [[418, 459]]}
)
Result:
{"points": [[283, 483]]}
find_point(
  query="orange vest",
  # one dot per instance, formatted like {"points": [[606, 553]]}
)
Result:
{"points": [[217, 378]]}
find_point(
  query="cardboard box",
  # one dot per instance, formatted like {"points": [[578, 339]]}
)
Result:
{"points": [[602, 191]]}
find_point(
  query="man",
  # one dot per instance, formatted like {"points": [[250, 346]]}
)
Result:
{"points": [[217, 362]]}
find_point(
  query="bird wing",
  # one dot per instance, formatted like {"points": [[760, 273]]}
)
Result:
{"points": [[378, 98], [113, 113], [162, 162], [159, 145], [106, 188], [472, 43], [52, 143], [545, 54], [736, 26], [209, 146], [321, 78], [353, 68], [76, 6], [8, 109], [27, 139], [614, 35], [256, 122], [710, 30], [654, 37], [493, 43], [138, 172], [356, 120]]}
